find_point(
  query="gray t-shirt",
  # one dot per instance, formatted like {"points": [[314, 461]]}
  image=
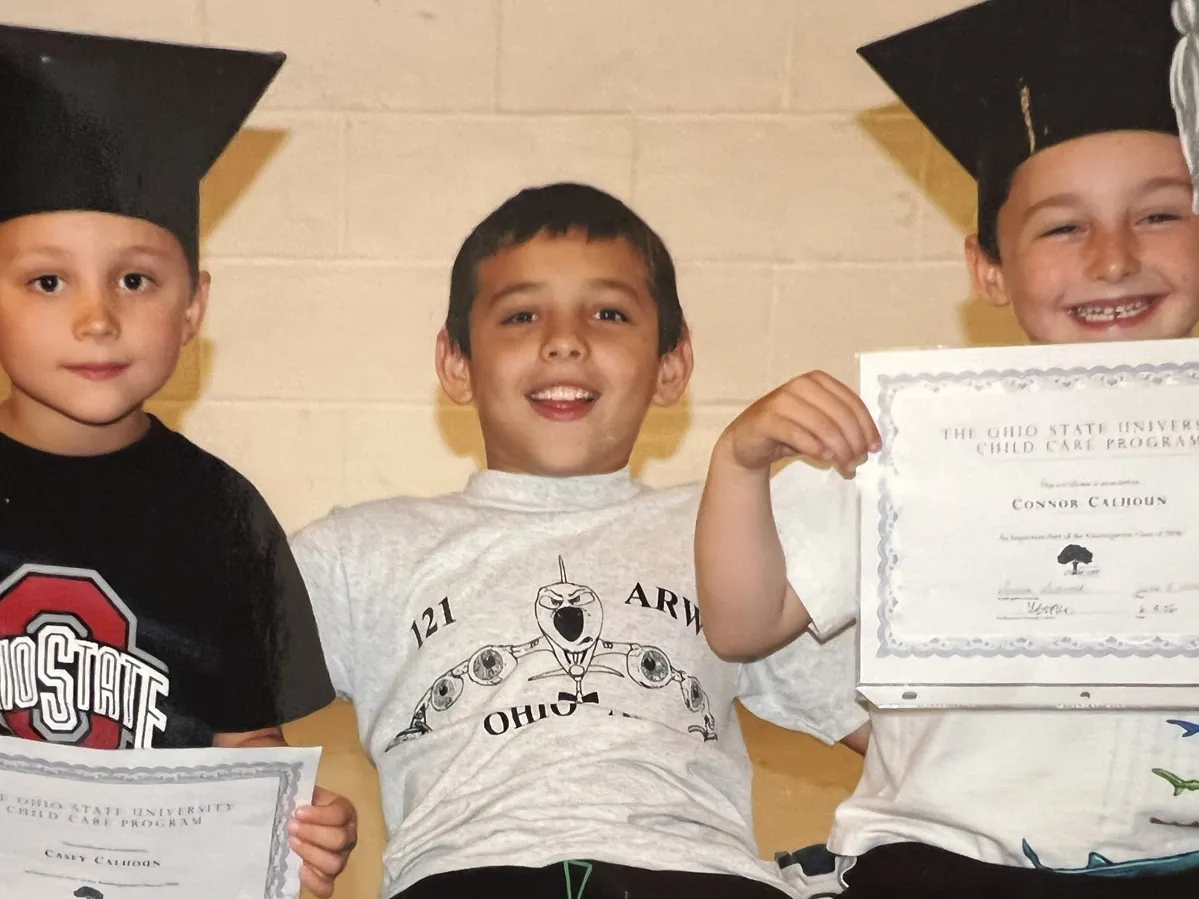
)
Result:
{"points": [[527, 664]]}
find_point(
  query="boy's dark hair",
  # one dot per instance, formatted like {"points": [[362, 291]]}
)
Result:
{"points": [[992, 195], [555, 210]]}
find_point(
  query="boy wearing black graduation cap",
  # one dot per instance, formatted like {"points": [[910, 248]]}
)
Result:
{"points": [[1062, 111], [148, 597]]}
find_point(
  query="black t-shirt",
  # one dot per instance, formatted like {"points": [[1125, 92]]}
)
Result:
{"points": [[147, 598]]}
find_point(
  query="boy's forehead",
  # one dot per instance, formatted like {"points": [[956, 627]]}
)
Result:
{"points": [[572, 257], [67, 233], [1116, 162]]}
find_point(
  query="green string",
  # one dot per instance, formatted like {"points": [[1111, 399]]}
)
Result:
{"points": [[570, 893]]}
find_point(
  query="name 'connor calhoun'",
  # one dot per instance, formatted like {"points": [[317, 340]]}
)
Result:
{"points": [[1093, 502]]}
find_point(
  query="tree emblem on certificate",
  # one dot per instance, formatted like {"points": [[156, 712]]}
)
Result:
{"points": [[1075, 555]]}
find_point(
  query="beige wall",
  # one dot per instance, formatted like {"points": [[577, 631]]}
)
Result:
{"points": [[810, 216]]}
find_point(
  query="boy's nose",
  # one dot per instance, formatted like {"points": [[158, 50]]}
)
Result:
{"points": [[563, 343], [1115, 254], [96, 319]]}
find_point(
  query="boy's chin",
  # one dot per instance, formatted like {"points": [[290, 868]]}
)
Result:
{"points": [[104, 418], [576, 469], [566, 464]]}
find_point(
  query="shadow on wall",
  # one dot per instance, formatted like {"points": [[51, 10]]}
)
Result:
{"points": [[661, 435], [953, 193], [230, 179]]}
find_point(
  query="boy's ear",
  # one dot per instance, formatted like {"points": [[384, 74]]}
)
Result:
{"points": [[453, 370], [197, 306], [674, 372], [986, 274]]}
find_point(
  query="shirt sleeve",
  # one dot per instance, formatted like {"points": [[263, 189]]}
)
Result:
{"points": [[816, 514], [318, 553], [272, 668], [808, 686]]}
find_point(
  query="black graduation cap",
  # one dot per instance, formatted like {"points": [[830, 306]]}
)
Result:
{"points": [[116, 125], [1002, 80]]}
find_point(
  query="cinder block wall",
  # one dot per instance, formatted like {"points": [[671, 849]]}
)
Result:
{"points": [[811, 218]]}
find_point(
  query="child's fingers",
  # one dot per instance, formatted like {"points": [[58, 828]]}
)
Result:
{"points": [[333, 839], [337, 813], [316, 882], [828, 427], [841, 405], [804, 442], [321, 860], [855, 404]]}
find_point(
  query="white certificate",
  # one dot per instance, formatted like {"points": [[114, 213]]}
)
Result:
{"points": [[1030, 531], [150, 824]]}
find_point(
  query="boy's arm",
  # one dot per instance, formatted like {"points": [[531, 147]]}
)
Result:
{"points": [[749, 607], [270, 736], [322, 834], [859, 740]]}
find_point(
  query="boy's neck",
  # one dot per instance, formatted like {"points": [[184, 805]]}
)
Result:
{"points": [[51, 432]]}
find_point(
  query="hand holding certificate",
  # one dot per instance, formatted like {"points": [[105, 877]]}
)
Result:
{"points": [[150, 824], [1030, 532]]}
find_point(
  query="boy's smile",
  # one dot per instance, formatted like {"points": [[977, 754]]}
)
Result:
{"points": [[1098, 241], [564, 359], [563, 402], [1125, 311]]}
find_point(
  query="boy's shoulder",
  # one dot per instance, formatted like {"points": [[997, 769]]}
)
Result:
{"points": [[414, 518], [190, 466]]}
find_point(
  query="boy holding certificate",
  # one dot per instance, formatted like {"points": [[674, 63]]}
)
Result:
{"points": [[1062, 110], [147, 594]]}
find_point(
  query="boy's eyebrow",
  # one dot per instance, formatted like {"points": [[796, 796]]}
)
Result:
{"points": [[531, 286], [49, 249], [617, 285], [513, 289], [1167, 181], [1062, 199], [41, 249], [1069, 199], [145, 250]]}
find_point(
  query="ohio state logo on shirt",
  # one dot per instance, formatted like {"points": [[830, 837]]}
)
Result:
{"points": [[70, 668]]}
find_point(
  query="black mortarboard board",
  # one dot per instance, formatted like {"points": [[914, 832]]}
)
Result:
{"points": [[1001, 80], [115, 125]]}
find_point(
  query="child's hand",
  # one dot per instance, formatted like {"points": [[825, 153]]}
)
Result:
{"points": [[323, 835], [814, 415]]}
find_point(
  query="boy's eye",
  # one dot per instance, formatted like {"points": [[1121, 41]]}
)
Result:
{"points": [[1061, 230], [48, 284], [135, 282], [1158, 218], [518, 318], [612, 315]]}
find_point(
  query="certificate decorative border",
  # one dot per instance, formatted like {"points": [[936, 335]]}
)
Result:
{"points": [[1011, 381], [287, 773]]}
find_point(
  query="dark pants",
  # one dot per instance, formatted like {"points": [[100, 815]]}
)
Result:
{"points": [[585, 880], [909, 870]]}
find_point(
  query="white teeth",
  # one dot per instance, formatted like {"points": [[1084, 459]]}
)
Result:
{"points": [[562, 394], [1106, 313]]}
